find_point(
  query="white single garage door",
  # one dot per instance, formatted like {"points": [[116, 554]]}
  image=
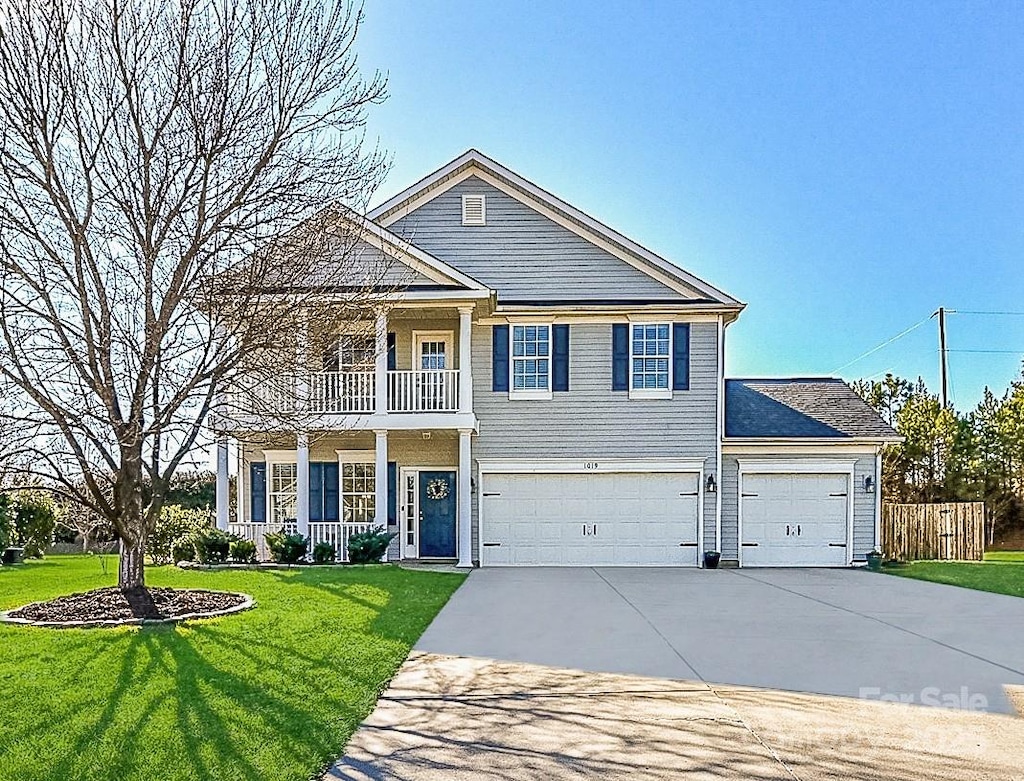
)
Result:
{"points": [[607, 519], [795, 520]]}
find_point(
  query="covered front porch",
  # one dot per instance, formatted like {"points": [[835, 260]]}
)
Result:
{"points": [[326, 488]]}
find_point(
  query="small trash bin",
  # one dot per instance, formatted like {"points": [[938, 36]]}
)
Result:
{"points": [[875, 561], [711, 559]]}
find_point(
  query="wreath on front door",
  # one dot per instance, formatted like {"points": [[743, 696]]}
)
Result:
{"points": [[438, 489]]}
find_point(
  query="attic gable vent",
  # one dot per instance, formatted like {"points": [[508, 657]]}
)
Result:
{"points": [[474, 210]]}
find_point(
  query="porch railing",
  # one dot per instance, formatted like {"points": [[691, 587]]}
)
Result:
{"points": [[334, 533], [427, 390], [353, 393]]}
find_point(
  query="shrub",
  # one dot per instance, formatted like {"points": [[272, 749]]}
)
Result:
{"points": [[370, 546], [323, 553], [6, 522], [176, 525], [287, 548], [212, 545], [34, 519], [243, 551], [183, 550]]}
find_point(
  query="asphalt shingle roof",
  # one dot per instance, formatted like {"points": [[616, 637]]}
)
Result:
{"points": [[824, 408]]}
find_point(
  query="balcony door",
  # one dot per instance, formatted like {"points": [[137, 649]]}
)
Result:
{"points": [[433, 359]]}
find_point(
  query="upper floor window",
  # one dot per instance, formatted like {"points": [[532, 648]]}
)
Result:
{"points": [[351, 353], [650, 357], [531, 360]]}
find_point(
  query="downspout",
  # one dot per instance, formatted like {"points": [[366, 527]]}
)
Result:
{"points": [[720, 432]]}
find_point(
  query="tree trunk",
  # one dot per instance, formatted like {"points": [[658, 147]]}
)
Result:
{"points": [[131, 570]]}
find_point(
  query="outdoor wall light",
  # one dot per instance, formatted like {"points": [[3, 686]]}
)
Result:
{"points": [[869, 484], [709, 485]]}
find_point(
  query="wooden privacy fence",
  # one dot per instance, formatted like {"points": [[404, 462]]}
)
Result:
{"points": [[954, 531]]}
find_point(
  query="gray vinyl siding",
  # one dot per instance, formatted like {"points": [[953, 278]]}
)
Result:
{"points": [[362, 264], [863, 502], [591, 420], [522, 254]]}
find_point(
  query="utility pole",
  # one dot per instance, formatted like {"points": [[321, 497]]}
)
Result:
{"points": [[943, 367]]}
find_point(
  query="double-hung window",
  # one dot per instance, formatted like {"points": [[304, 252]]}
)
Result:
{"points": [[284, 484], [358, 492], [531, 361], [650, 360]]}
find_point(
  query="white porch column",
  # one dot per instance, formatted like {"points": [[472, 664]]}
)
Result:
{"points": [[302, 484], [381, 363], [380, 481], [465, 360], [241, 485], [465, 499], [222, 483]]}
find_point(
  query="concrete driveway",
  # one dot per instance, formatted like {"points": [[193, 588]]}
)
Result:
{"points": [[826, 631], [615, 673]]}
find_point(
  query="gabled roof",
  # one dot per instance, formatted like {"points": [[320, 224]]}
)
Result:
{"points": [[475, 163], [814, 408]]}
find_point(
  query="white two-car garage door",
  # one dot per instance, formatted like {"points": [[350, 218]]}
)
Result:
{"points": [[794, 520], [585, 519]]}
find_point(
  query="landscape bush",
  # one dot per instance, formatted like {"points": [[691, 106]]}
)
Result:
{"points": [[212, 545], [176, 525], [370, 546], [183, 550], [34, 518], [287, 548], [243, 551], [323, 553]]}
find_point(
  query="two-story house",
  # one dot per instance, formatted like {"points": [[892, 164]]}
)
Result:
{"points": [[545, 391]]}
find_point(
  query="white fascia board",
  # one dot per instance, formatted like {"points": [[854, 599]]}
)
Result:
{"points": [[681, 312], [589, 466], [730, 444], [552, 207]]}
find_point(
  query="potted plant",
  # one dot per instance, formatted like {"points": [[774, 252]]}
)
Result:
{"points": [[874, 560], [711, 559]]}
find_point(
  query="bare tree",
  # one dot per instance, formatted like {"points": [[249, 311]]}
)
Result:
{"points": [[174, 179]]}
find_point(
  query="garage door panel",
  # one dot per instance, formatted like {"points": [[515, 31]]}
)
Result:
{"points": [[795, 519], [640, 519]]}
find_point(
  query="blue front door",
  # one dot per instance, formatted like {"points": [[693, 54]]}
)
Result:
{"points": [[437, 514]]}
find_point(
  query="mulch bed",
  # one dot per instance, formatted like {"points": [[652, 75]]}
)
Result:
{"points": [[114, 606]]}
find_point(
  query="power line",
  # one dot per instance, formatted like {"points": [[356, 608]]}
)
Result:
{"points": [[992, 352], [886, 343], [981, 312]]}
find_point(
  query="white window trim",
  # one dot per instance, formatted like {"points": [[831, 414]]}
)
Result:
{"points": [[272, 457], [448, 337], [543, 394], [651, 393], [352, 457], [483, 209]]}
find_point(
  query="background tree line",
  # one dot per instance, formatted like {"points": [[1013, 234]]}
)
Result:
{"points": [[951, 456]]}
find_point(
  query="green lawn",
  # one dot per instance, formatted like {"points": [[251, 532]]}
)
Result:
{"points": [[1002, 572], [273, 693]]}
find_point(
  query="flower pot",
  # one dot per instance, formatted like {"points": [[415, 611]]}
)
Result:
{"points": [[875, 562], [13, 555], [711, 559]]}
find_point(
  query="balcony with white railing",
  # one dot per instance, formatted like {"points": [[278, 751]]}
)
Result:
{"points": [[355, 393]]}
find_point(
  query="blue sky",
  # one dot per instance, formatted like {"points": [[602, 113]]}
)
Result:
{"points": [[844, 168]]}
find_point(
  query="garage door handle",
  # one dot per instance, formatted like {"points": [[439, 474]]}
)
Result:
{"points": [[842, 494], [837, 545], [690, 494], [492, 493], [751, 544], [748, 494], [492, 544], [687, 545]]}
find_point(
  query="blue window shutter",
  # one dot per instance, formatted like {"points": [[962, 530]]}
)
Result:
{"points": [[680, 356], [330, 473], [499, 358], [620, 357], [559, 357], [316, 492], [258, 492], [392, 353], [392, 493]]}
